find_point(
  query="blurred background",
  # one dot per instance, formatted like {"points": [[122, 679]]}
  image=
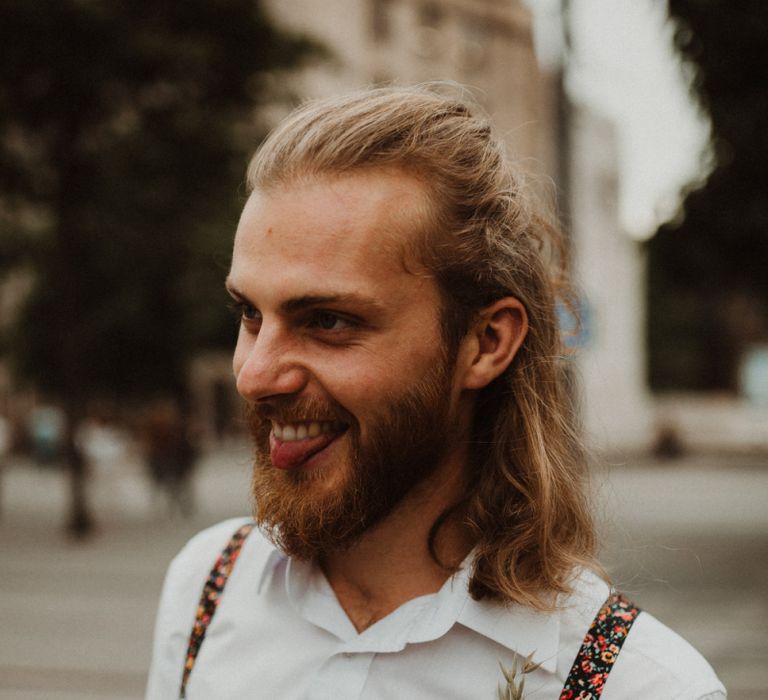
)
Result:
{"points": [[124, 133]]}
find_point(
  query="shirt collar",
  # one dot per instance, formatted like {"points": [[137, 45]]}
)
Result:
{"points": [[271, 558], [518, 628]]}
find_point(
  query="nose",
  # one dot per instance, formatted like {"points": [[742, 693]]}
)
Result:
{"points": [[266, 366]]}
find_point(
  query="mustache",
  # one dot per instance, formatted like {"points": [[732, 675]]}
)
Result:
{"points": [[296, 409]]}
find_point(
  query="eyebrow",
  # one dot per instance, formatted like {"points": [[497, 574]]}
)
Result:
{"points": [[305, 301]]}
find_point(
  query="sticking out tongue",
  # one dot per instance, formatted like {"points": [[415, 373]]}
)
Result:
{"points": [[288, 455]]}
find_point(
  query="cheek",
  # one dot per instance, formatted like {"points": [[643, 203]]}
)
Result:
{"points": [[367, 389], [359, 386]]}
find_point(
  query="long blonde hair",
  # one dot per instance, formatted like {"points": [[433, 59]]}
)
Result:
{"points": [[527, 507]]}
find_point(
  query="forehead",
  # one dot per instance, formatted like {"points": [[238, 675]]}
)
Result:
{"points": [[353, 230]]}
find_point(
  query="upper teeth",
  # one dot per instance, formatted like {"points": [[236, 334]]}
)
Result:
{"points": [[300, 431]]}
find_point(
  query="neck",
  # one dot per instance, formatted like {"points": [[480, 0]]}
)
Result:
{"points": [[391, 563]]}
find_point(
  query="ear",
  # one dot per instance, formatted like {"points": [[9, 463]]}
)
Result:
{"points": [[493, 342]]}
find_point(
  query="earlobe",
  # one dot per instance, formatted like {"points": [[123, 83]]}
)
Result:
{"points": [[494, 341]]}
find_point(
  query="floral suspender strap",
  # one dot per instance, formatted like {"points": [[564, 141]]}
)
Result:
{"points": [[209, 600], [600, 649], [593, 663]]}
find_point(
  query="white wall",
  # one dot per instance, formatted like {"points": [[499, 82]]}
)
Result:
{"points": [[617, 410]]}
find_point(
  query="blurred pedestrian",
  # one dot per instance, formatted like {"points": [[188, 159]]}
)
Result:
{"points": [[46, 431], [170, 456], [106, 449]]}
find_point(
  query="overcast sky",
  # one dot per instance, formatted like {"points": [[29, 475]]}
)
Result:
{"points": [[624, 67]]}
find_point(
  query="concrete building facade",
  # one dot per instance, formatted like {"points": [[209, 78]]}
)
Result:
{"points": [[486, 45], [616, 406]]}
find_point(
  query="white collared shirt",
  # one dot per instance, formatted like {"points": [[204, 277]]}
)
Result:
{"points": [[280, 634]]}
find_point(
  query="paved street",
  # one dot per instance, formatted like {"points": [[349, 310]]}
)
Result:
{"points": [[688, 540]]}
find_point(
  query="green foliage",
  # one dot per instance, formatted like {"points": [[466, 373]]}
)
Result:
{"points": [[119, 178], [715, 260]]}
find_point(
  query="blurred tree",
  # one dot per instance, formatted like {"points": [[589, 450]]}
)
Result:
{"points": [[708, 271], [123, 132]]}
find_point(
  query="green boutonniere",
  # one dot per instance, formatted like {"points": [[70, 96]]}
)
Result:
{"points": [[515, 677]]}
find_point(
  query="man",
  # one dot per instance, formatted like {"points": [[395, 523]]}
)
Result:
{"points": [[423, 530]]}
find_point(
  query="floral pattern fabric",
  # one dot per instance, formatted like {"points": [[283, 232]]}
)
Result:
{"points": [[210, 598], [600, 649]]}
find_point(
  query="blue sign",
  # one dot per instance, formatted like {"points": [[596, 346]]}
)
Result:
{"points": [[575, 328]]}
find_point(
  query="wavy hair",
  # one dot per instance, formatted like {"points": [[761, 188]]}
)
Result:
{"points": [[527, 505]]}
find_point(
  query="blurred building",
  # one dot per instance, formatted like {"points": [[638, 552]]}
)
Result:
{"points": [[616, 406], [484, 44], [618, 410]]}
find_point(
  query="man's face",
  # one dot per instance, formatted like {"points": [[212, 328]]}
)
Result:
{"points": [[351, 396]]}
